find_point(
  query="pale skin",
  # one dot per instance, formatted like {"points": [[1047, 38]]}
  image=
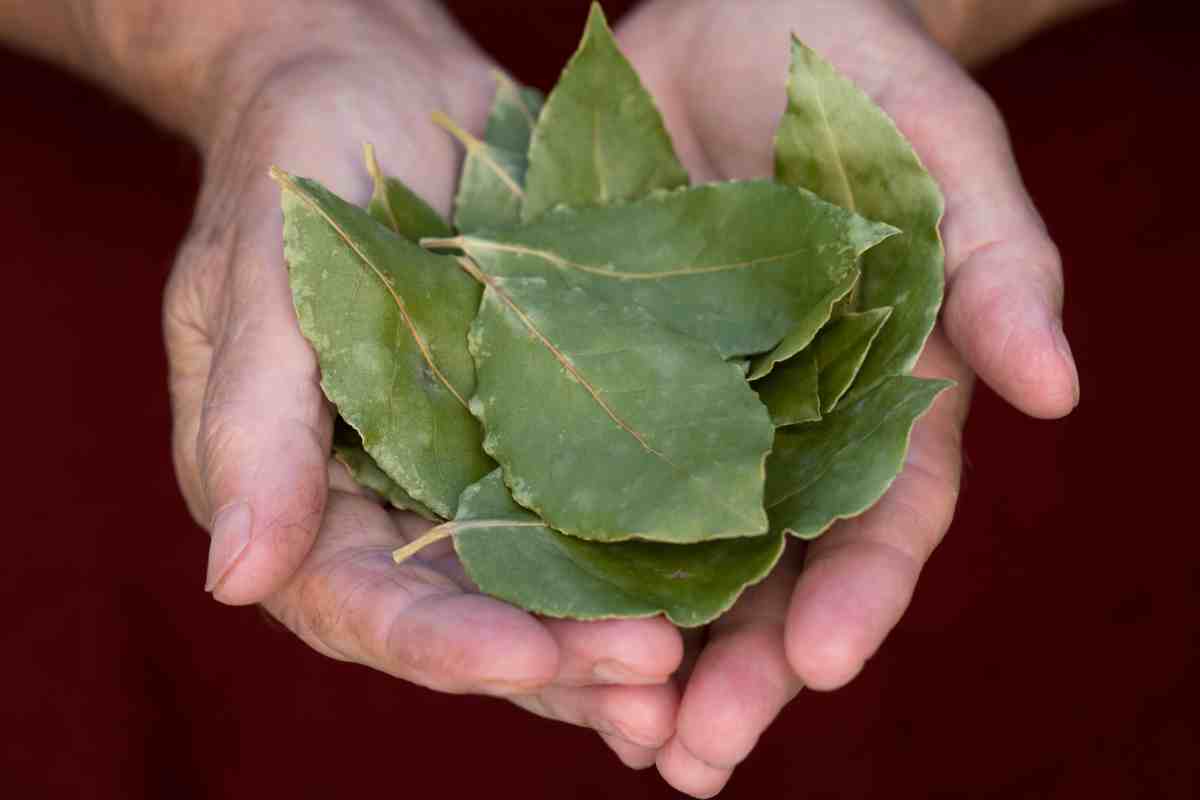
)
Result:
{"points": [[302, 85]]}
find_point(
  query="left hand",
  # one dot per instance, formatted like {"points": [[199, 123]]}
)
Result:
{"points": [[718, 72]]}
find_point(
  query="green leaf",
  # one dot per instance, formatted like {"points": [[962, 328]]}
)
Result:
{"points": [[791, 391], [511, 554], [395, 205], [600, 139], [348, 449], [811, 321], [836, 142], [388, 322], [611, 426], [840, 349], [490, 188], [514, 114], [738, 265], [839, 467]]}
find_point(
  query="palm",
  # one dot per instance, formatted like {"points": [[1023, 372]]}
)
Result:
{"points": [[718, 71]]}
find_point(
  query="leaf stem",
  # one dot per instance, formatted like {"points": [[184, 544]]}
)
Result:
{"points": [[432, 536]]}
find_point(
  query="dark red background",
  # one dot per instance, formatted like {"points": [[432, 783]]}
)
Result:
{"points": [[1051, 646]]}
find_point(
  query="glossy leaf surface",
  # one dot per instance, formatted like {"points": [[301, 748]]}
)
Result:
{"points": [[395, 205], [388, 322], [792, 390], [836, 142], [348, 450], [514, 114], [739, 265], [839, 467], [600, 139], [511, 554], [611, 426], [840, 349]]}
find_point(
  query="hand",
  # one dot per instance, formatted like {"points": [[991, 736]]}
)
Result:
{"points": [[252, 428], [718, 71]]}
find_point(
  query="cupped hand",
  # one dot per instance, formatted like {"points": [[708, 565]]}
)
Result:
{"points": [[252, 428], [718, 72]]}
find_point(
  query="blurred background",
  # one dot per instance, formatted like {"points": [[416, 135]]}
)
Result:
{"points": [[1051, 650]]}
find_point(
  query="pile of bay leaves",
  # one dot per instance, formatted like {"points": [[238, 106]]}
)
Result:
{"points": [[616, 391]]}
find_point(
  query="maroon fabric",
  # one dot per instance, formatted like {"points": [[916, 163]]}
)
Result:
{"points": [[1048, 651]]}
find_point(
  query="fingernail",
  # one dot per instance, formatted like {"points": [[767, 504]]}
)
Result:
{"points": [[230, 537], [1064, 349], [616, 672]]}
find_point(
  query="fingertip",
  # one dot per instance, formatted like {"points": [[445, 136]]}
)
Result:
{"points": [[688, 774], [1011, 334]]}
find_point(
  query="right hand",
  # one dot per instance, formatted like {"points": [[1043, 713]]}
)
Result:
{"points": [[252, 428]]}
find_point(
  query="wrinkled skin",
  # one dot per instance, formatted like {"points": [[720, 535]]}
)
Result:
{"points": [[290, 531]]}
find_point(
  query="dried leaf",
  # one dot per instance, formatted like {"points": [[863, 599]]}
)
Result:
{"points": [[490, 189], [395, 205], [348, 449], [513, 555], [738, 265], [611, 426], [514, 114], [836, 142], [839, 467], [792, 390], [840, 350], [600, 139], [388, 322]]}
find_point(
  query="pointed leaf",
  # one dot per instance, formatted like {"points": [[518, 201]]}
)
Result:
{"points": [[835, 141], [490, 188], [611, 426], [388, 322], [600, 139], [738, 265], [791, 391], [514, 114], [513, 555], [348, 449], [840, 349], [839, 467], [806, 329], [395, 205]]}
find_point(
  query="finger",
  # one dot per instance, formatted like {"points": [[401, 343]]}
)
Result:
{"points": [[1004, 298], [858, 578], [351, 601], [642, 716], [632, 755], [264, 432], [740, 683], [619, 651]]}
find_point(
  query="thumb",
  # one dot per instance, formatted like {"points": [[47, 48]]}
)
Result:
{"points": [[1003, 309], [264, 434]]}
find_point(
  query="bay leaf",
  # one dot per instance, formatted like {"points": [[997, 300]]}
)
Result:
{"points": [[490, 189], [841, 348], [835, 141], [738, 265], [810, 322], [348, 450], [395, 205], [600, 138], [388, 321], [792, 391], [511, 554], [611, 426], [840, 466], [514, 113]]}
